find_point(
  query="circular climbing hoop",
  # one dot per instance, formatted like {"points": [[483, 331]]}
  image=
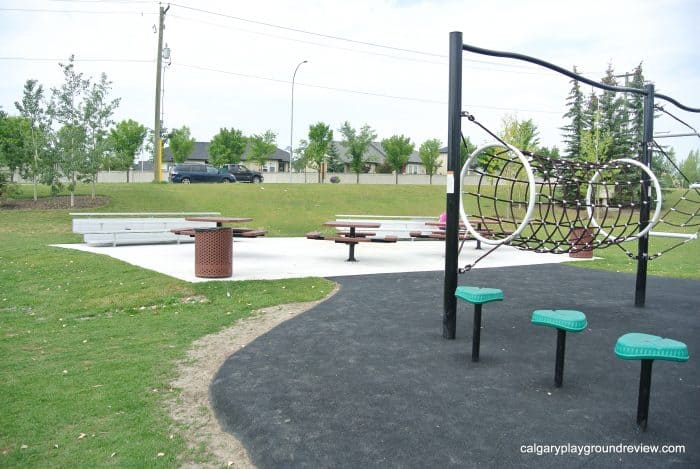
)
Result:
{"points": [[657, 189], [532, 192]]}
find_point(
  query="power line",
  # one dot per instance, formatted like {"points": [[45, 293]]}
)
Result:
{"points": [[43, 59], [296, 30], [358, 51], [339, 38], [90, 12], [352, 91]]}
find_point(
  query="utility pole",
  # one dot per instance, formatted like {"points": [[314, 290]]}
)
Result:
{"points": [[157, 141]]}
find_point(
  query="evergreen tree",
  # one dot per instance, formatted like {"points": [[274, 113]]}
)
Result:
{"points": [[635, 104], [334, 163], [575, 114], [613, 119]]}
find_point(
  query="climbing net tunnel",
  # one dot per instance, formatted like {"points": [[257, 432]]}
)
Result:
{"points": [[543, 204]]}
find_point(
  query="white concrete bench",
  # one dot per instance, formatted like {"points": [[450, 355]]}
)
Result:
{"points": [[114, 228], [399, 226]]}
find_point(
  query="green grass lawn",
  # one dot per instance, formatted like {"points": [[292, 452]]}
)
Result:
{"points": [[89, 343]]}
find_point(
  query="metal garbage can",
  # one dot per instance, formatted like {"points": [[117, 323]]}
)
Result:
{"points": [[581, 241], [213, 252]]}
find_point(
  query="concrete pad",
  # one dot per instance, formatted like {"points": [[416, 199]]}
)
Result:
{"points": [[276, 258]]}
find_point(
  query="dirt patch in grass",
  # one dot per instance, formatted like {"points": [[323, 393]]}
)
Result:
{"points": [[191, 408], [54, 203]]}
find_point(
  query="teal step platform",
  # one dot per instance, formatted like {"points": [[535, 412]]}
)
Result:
{"points": [[569, 320], [636, 346], [477, 296], [647, 348], [563, 320]]}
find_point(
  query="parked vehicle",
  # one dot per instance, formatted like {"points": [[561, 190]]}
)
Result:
{"points": [[187, 173], [244, 174]]}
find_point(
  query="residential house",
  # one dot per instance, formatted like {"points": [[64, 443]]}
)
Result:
{"points": [[278, 162], [375, 157]]}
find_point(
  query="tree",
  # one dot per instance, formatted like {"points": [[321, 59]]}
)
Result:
{"points": [[429, 153], [13, 146], [523, 135], [357, 144], [126, 139], [466, 148], [691, 168], [34, 109], [572, 131], [613, 119], [595, 142], [320, 140], [398, 149], [635, 105], [67, 108], [181, 144], [262, 147], [333, 161], [97, 115], [227, 147]]}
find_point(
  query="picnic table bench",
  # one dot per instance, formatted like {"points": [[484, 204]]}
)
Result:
{"points": [[482, 227], [352, 237], [399, 226], [120, 228]]}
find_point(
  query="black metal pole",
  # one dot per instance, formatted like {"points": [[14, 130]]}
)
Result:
{"points": [[644, 393], [559, 366], [449, 320], [645, 209], [476, 336]]}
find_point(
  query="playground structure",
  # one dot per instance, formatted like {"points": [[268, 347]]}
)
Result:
{"points": [[541, 201]]}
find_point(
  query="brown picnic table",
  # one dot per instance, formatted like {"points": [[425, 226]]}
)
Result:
{"points": [[352, 236]]}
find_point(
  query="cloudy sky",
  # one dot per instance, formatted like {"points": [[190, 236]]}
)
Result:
{"points": [[376, 62]]}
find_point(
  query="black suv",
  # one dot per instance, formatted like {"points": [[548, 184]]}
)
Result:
{"points": [[243, 174], [187, 173]]}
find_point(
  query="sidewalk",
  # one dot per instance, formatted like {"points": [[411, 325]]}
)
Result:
{"points": [[276, 258]]}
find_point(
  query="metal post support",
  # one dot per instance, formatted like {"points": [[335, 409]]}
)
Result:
{"points": [[476, 335], [559, 365], [644, 393], [645, 200], [449, 320]]}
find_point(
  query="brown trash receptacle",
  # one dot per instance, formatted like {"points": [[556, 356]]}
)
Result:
{"points": [[213, 252], [581, 241]]}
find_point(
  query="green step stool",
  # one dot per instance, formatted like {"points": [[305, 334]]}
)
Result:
{"points": [[647, 348], [478, 296], [563, 320]]}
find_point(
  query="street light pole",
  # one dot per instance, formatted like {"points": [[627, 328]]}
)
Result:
{"points": [[291, 126]]}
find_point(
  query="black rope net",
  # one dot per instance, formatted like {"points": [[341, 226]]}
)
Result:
{"points": [[578, 205], [575, 206]]}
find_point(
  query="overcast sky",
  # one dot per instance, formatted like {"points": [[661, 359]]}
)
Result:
{"points": [[376, 62]]}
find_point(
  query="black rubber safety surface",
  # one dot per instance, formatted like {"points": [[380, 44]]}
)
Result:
{"points": [[366, 379]]}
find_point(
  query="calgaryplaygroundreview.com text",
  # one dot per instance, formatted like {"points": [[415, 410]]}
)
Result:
{"points": [[587, 450]]}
